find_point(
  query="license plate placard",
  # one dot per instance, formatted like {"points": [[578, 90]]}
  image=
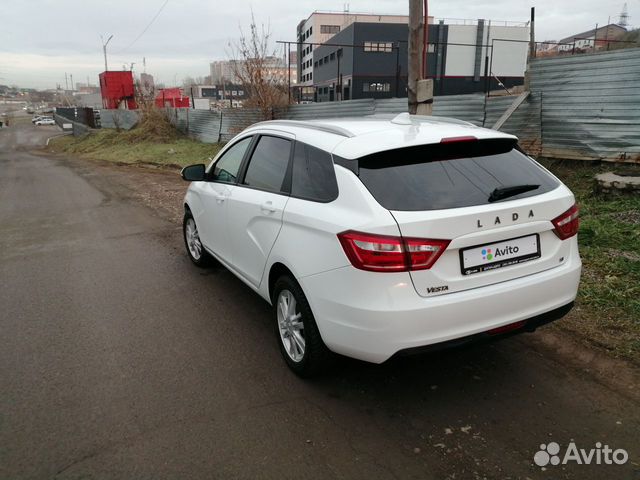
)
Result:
{"points": [[494, 255]]}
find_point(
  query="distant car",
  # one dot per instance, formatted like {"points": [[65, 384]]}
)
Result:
{"points": [[36, 118], [378, 237], [45, 121]]}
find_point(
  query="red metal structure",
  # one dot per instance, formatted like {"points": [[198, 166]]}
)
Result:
{"points": [[172, 97], [117, 90]]}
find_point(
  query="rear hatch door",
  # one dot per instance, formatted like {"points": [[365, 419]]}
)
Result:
{"points": [[493, 203]]}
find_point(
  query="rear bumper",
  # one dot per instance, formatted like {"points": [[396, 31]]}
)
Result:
{"points": [[529, 325], [375, 316]]}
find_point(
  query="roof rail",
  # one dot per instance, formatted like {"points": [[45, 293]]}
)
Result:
{"points": [[323, 127]]}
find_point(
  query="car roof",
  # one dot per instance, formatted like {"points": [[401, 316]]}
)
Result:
{"points": [[352, 138]]}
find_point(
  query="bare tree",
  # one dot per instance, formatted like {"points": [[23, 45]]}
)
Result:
{"points": [[145, 94], [258, 69], [154, 123], [189, 82], [116, 116]]}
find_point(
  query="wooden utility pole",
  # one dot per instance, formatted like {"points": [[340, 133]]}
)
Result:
{"points": [[420, 89]]}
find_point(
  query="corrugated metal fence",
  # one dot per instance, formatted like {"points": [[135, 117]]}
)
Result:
{"points": [[524, 122], [580, 106], [464, 107], [209, 126], [125, 119], [590, 105]]}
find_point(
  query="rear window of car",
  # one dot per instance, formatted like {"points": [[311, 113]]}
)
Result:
{"points": [[441, 176]]}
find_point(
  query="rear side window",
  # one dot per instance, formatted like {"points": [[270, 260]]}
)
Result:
{"points": [[313, 176], [435, 177], [268, 165]]}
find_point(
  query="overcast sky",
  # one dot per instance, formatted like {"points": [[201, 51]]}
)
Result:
{"points": [[40, 40]]}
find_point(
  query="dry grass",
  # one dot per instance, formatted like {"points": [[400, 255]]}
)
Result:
{"points": [[608, 306], [153, 141]]}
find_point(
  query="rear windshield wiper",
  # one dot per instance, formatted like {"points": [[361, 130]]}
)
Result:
{"points": [[506, 192]]}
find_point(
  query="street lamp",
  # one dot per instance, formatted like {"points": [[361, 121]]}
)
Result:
{"points": [[104, 50]]}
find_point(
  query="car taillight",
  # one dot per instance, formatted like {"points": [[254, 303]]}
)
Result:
{"points": [[567, 224], [467, 138], [382, 253]]}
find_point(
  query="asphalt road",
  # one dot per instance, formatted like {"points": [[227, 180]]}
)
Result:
{"points": [[119, 359]]}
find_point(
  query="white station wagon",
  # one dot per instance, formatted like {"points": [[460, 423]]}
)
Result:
{"points": [[375, 237]]}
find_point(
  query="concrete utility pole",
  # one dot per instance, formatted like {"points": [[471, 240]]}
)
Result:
{"points": [[532, 48], [420, 90], [532, 34], [415, 43], [104, 50]]}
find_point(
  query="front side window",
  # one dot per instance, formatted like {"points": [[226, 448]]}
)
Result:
{"points": [[313, 176], [227, 167], [268, 166]]}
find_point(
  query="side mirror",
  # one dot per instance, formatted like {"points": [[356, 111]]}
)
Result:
{"points": [[193, 173]]}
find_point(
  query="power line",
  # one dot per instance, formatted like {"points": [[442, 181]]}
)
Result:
{"points": [[145, 28]]}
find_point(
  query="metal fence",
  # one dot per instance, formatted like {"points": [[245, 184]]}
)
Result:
{"points": [[524, 122], [210, 126], [589, 105], [78, 129], [125, 119], [83, 115], [580, 107]]}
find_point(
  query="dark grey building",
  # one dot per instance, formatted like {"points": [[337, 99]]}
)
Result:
{"points": [[376, 67], [369, 60]]}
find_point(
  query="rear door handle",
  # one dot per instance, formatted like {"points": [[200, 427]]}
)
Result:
{"points": [[219, 198], [268, 207]]}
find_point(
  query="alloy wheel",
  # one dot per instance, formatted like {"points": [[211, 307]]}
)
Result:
{"points": [[193, 239], [290, 326]]}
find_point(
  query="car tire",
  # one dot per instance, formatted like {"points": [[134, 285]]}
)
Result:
{"points": [[298, 323], [195, 250]]}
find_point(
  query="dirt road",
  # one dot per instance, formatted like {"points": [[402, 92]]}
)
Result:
{"points": [[121, 360]]}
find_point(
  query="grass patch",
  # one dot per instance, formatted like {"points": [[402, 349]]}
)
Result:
{"points": [[136, 146], [608, 304]]}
